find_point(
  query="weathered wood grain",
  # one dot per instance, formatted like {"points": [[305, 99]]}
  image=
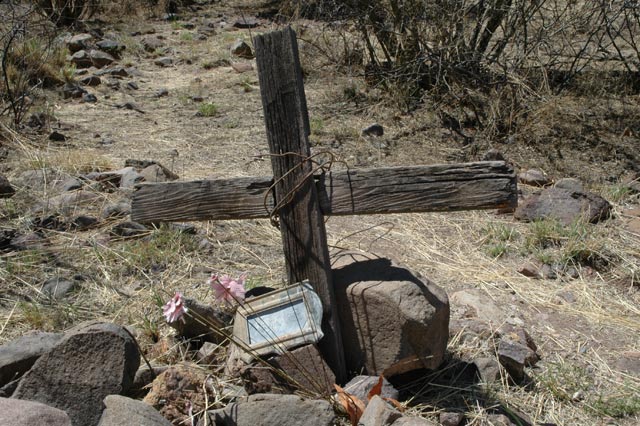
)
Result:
{"points": [[301, 221], [446, 187]]}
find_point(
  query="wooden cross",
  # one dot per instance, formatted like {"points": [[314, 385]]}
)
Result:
{"points": [[303, 198]]}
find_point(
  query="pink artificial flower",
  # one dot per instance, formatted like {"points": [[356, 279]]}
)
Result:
{"points": [[227, 289], [175, 308]]}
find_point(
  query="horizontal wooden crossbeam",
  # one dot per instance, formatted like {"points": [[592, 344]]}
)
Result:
{"points": [[442, 187]]}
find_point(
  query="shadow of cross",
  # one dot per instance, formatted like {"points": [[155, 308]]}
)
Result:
{"points": [[302, 198]]}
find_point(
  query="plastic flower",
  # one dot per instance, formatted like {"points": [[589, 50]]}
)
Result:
{"points": [[175, 308], [227, 289]]}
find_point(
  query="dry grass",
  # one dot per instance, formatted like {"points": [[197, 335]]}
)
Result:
{"points": [[127, 280]]}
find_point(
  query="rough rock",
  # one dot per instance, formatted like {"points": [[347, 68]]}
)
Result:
{"points": [[157, 173], [121, 410], [72, 184], [241, 67], [14, 412], [164, 61], [92, 361], [65, 203], [449, 418], [57, 288], [533, 177], [379, 413], [192, 327], [72, 90], [17, 356], [151, 43], [269, 410], [118, 209], [37, 179], [478, 304], [32, 240], [174, 389], [99, 58], [499, 420], [413, 421], [241, 49], [564, 205], [129, 177], [112, 47], [493, 155], [570, 184], [78, 42], [90, 80], [392, 321], [360, 386], [89, 98], [488, 369], [81, 59], [631, 180], [304, 369], [373, 130], [531, 270], [145, 376], [515, 356], [246, 22], [207, 353], [6, 190], [56, 136], [82, 222]]}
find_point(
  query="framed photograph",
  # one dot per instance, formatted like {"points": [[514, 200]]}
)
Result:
{"points": [[278, 321]]}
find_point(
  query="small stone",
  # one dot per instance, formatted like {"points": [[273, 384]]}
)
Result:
{"points": [[570, 184], [533, 177], [78, 42], [30, 241], [157, 173], [241, 67], [242, 49], [132, 85], [120, 410], [193, 328], [449, 418], [57, 288], [547, 272], [207, 352], [129, 229], [110, 46], [163, 61], [572, 273], [145, 376], [499, 420], [246, 22], [493, 155], [565, 206], [360, 386], [488, 369], [17, 412], [379, 413], [151, 43], [514, 357], [72, 90], [162, 92], [6, 190], [100, 59], [81, 59], [89, 98], [530, 270], [307, 369], [57, 136], [91, 80], [373, 130], [119, 209]]}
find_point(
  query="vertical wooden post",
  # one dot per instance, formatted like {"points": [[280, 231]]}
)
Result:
{"points": [[301, 221]]}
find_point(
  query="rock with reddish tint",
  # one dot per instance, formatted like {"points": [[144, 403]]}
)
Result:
{"points": [[533, 177], [66, 203], [81, 59], [99, 58], [6, 190], [530, 270], [91, 361], [15, 412], [360, 386], [17, 356], [120, 410], [392, 321], [379, 413], [164, 61], [151, 43], [269, 410], [515, 356], [145, 376], [241, 67], [631, 180], [478, 304], [499, 420], [90, 80], [563, 205], [570, 184], [451, 418]]}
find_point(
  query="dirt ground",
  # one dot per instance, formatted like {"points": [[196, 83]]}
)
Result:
{"points": [[586, 328]]}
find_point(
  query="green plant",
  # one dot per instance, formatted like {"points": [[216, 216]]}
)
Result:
{"points": [[208, 109], [498, 238], [186, 36], [317, 126], [564, 381], [617, 406]]}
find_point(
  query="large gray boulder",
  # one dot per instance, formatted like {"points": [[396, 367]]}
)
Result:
{"points": [[17, 356], [392, 321], [92, 361], [121, 410], [14, 412], [564, 205], [269, 410]]}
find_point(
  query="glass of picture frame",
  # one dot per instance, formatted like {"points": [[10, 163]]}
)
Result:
{"points": [[278, 321]]}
